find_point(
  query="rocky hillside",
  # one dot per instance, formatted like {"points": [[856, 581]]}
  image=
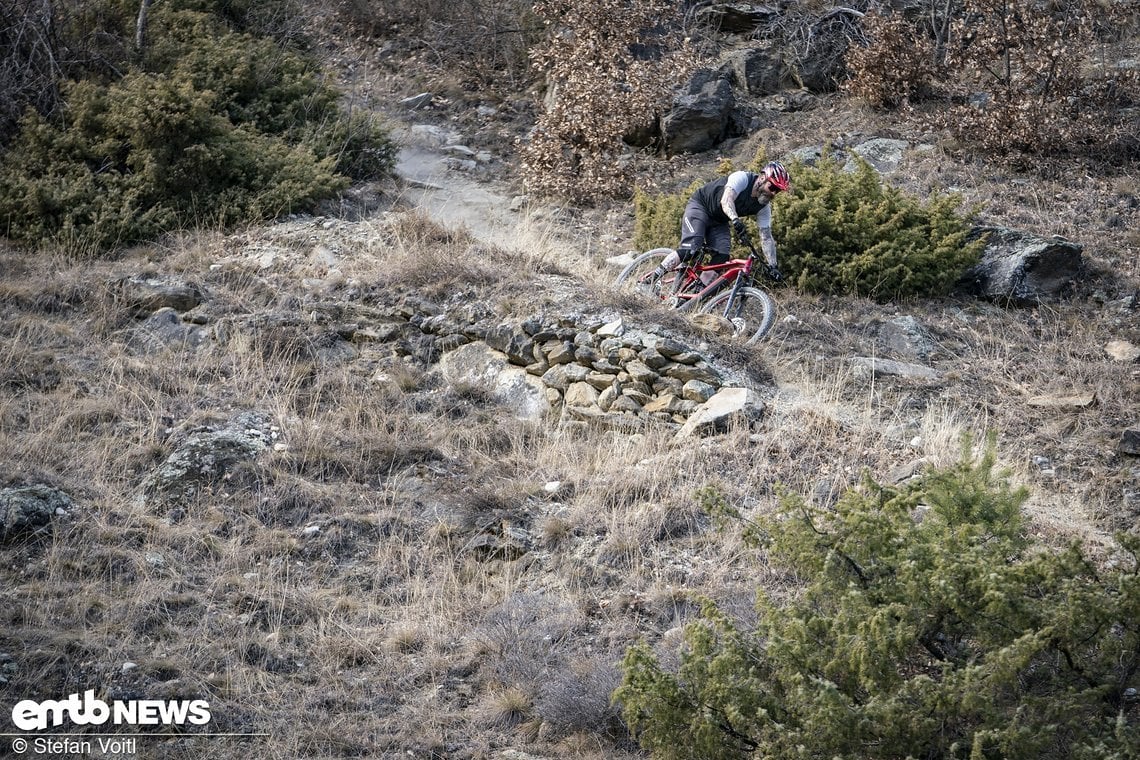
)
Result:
{"points": [[406, 479]]}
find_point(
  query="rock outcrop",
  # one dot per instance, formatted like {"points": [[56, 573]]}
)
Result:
{"points": [[28, 509], [1023, 269]]}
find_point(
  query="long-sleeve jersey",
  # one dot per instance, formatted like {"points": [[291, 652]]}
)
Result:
{"points": [[727, 198]]}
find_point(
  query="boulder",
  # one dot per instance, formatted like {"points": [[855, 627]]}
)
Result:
{"points": [[905, 337], [1130, 442], [882, 153], [737, 18], [726, 406], [758, 69], [144, 295], [1022, 269], [205, 458], [515, 343], [478, 365], [164, 330], [700, 115], [879, 367], [26, 509]]}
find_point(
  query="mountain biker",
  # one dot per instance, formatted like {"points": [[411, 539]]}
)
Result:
{"points": [[718, 206]]}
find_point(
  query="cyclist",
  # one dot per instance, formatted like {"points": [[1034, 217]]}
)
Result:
{"points": [[719, 205]]}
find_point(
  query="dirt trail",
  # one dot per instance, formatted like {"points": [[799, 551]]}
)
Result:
{"points": [[449, 194]]}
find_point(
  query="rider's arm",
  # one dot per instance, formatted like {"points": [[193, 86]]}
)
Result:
{"points": [[728, 203], [734, 186], [767, 242]]}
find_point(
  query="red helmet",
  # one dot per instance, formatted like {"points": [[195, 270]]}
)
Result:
{"points": [[777, 175]]}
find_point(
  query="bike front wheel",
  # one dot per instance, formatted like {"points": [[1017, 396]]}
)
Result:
{"points": [[752, 312], [635, 278]]}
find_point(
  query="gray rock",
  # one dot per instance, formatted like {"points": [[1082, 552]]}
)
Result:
{"points": [[700, 115], [727, 406], [556, 378], [513, 342], [576, 373], [880, 367], [699, 391], [905, 337], [737, 18], [625, 403], [883, 153], [687, 372], [203, 459], [640, 372], [561, 352], [144, 295], [652, 358], [164, 330], [416, 101], [1022, 269], [759, 69], [1130, 442], [479, 365], [26, 509]]}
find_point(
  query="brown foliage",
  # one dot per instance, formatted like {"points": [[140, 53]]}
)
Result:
{"points": [[1021, 77], [896, 64], [1031, 64], [599, 91]]}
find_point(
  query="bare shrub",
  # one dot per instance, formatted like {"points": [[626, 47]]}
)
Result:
{"points": [[598, 91], [896, 64], [578, 698], [818, 34], [1020, 77], [483, 41], [1022, 69], [30, 71], [525, 635]]}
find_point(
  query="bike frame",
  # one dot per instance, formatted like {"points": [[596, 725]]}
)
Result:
{"points": [[736, 271]]}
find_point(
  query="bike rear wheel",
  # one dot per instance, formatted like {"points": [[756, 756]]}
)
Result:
{"points": [[752, 313], [633, 278]]}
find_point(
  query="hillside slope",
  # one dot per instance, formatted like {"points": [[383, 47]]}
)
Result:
{"points": [[249, 479]]}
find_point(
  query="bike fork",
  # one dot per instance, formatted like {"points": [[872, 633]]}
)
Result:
{"points": [[731, 301]]}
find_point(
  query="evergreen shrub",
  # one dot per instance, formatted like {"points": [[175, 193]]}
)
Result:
{"points": [[211, 127], [657, 218], [929, 625], [845, 233]]}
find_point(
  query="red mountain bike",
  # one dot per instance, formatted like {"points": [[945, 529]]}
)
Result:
{"points": [[732, 295]]}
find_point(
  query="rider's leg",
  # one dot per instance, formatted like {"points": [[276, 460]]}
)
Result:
{"points": [[693, 224], [719, 239]]}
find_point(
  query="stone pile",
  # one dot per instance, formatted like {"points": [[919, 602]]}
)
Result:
{"points": [[597, 372], [579, 367]]}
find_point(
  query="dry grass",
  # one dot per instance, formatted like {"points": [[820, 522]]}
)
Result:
{"points": [[350, 592]]}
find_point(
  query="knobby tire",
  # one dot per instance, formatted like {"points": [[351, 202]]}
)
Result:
{"points": [[753, 312], [629, 279]]}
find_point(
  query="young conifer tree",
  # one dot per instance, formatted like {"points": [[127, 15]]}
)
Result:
{"points": [[929, 625]]}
